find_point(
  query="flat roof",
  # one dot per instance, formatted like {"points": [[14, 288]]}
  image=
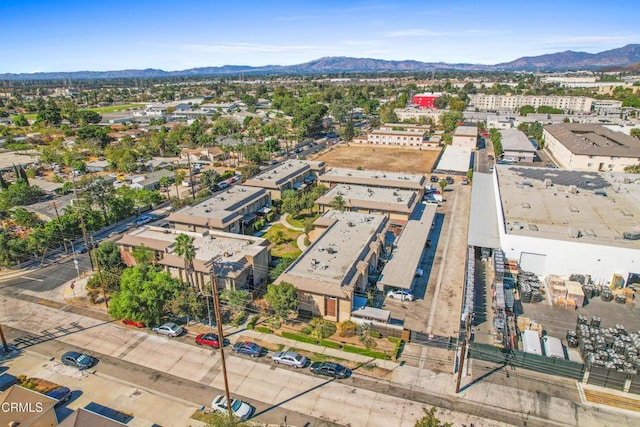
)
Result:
{"points": [[381, 199], [483, 217], [276, 177], [330, 263], [516, 140], [594, 140], [400, 269], [10, 158], [466, 130], [596, 206], [373, 178], [455, 159], [219, 210], [230, 248], [398, 132]]}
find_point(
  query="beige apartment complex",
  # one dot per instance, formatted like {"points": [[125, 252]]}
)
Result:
{"points": [[290, 175], [515, 102], [591, 147]]}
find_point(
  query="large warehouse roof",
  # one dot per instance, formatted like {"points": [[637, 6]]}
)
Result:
{"points": [[516, 140], [588, 207]]}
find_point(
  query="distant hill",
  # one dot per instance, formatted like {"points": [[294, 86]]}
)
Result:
{"points": [[633, 68], [560, 61]]}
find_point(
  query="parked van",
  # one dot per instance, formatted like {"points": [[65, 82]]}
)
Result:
{"points": [[553, 347]]}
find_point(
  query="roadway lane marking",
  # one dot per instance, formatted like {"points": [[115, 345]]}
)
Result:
{"points": [[33, 278]]}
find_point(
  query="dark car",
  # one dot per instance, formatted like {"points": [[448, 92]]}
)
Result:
{"points": [[330, 369], [210, 340], [133, 323], [434, 178], [61, 394], [449, 180], [79, 360], [249, 348]]}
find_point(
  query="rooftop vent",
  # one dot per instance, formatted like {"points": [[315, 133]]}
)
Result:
{"points": [[573, 189], [350, 224], [548, 183], [573, 233], [631, 236], [526, 206]]}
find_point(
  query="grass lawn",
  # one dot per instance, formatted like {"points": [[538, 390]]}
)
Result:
{"points": [[100, 110], [317, 357], [299, 221], [288, 246]]}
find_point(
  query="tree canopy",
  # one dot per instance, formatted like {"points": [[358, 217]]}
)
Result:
{"points": [[282, 299]]}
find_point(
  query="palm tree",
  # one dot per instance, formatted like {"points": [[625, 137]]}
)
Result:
{"points": [[178, 178], [183, 247], [338, 203], [165, 182]]}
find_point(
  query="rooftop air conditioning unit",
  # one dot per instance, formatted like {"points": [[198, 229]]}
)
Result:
{"points": [[573, 189], [548, 183]]}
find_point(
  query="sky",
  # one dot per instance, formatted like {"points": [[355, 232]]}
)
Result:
{"points": [[79, 35]]}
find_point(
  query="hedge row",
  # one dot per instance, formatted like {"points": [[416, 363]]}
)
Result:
{"points": [[297, 337], [263, 329], [366, 352]]}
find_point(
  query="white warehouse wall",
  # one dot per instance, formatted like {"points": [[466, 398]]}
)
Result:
{"points": [[565, 257]]}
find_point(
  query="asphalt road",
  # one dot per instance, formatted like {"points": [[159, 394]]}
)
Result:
{"points": [[46, 278]]}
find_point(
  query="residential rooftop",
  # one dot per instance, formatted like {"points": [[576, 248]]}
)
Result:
{"points": [[276, 177], [588, 207], [229, 249], [219, 210], [332, 260], [594, 140], [373, 178], [515, 140], [466, 130], [380, 199]]}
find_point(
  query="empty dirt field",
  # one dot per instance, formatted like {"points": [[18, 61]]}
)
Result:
{"points": [[382, 159]]}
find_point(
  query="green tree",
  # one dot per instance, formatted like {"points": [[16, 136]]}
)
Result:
{"points": [[284, 263], [282, 299], [635, 132], [165, 182], [236, 299], [291, 203], [19, 194], [208, 178], [24, 218], [108, 256], [338, 203], [144, 294], [178, 177], [443, 184], [449, 120], [429, 419], [20, 120], [183, 247], [186, 302], [527, 109], [143, 255]]}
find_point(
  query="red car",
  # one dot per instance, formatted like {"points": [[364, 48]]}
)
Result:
{"points": [[208, 339], [133, 323]]}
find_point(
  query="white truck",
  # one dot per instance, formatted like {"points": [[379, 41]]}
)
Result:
{"points": [[531, 342], [553, 347]]}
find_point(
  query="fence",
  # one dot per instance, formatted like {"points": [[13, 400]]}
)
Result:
{"points": [[533, 362], [448, 343]]}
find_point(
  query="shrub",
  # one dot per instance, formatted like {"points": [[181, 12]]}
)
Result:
{"points": [[307, 242], [330, 344], [322, 328], [253, 321], [366, 352], [298, 337], [306, 330], [239, 318], [375, 334], [396, 349], [270, 216], [264, 329], [347, 328]]}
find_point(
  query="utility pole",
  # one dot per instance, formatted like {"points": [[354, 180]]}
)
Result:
{"points": [[5, 346], [104, 292], [216, 307], [82, 227], [463, 350]]}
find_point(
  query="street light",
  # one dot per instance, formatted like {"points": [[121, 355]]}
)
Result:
{"points": [[75, 260]]}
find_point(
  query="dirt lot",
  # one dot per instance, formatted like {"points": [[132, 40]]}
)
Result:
{"points": [[383, 159]]}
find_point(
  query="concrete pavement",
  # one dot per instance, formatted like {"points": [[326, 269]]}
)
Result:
{"points": [[397, 400]]}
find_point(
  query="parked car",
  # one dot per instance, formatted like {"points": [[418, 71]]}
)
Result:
{"points": [[434, 178], [330, 369], [419, 272], [401, 294], [209, 339], [239, 408], [464, 181], [79, 360], [449, 180], [144, 219], [61, 394], [133, 323], [169, 329], [290, 358], [249, 348]]}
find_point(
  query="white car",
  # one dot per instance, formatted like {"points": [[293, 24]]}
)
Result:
{"points": [[401, 294], [290, 358], [144, 219], [169, 329], [239, 408]]}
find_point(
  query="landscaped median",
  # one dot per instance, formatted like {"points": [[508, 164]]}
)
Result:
{"points": [[346, 347]]}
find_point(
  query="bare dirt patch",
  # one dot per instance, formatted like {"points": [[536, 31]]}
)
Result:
{"points": [[383, 159]]}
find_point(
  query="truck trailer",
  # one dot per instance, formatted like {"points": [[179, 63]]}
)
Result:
{"points": [[553, 347], [531, 342]]}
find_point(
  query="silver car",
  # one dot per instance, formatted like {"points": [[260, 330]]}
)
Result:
{"points": [[239, 408], [168, 329], [401, 294], [290, 358]]}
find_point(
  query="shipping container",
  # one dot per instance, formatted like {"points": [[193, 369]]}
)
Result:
{"points": [[531, 342], [553, 347]]}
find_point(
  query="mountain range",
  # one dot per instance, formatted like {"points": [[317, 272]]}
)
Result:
{"points": [[561, 61]]}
